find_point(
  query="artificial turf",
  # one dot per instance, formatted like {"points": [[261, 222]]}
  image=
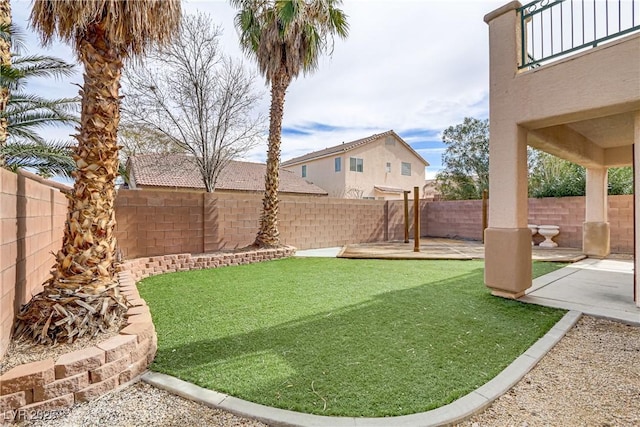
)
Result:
{"points": [[340, 337]]}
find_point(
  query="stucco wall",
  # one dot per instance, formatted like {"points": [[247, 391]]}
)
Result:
{"points": [[577, 88], [32, 213], [375, 155], [322, 173]]}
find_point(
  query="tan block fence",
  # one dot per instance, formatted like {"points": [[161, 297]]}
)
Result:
{"points": [[175, 231]]}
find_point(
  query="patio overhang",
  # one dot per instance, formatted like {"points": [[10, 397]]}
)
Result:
{"points": [[581, 104], [389, 190]]}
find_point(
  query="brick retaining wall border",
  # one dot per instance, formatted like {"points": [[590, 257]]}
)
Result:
{"points": [[142, 268], [28, 390]]}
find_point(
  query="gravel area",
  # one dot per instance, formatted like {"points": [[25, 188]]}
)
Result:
{"points": [[591, 378], [141, 405], [26, 351]]}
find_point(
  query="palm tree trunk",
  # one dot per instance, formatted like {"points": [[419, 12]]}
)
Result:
{"points": [[268, 235], [83, 276], [5, 60]]}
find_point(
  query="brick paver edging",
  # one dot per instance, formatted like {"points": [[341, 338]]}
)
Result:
{"points": [[28, 391], [142, 268]]}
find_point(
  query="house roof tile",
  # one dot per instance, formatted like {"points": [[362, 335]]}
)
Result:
{"points": [[180, 170]]}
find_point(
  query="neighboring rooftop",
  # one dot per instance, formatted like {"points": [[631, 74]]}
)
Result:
{"points": [[180, 171], [347, 146]]}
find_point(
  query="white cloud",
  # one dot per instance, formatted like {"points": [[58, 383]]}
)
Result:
{"points": [[405, 65], [431, 173]]}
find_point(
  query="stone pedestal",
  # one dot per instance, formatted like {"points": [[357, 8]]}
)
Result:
{"points": [[548, 232]]}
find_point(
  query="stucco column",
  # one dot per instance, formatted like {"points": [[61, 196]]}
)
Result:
{"points": [[507, 239], [595, 230], [636, 202]]}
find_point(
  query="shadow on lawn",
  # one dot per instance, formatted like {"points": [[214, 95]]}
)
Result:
{"points": [[401, 352]]}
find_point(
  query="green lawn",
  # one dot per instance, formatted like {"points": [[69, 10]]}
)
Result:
{"points": [[340, 337]]}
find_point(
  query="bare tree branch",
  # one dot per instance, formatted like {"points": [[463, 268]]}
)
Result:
{"points": [[192, 95]]}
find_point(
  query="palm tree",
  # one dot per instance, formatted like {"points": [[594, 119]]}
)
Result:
{"points": [[82, 295], [5, 64], [285, 37]]}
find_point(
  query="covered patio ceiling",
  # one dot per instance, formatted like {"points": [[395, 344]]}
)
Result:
{"points": [[596, 142]]}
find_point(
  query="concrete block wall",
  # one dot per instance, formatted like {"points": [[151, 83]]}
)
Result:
{"points": [[454, 219], [621, 223], [85, 374], [566, 212], [159, 222], [324, 222], [569, 213], [463, 219], [395, 221], [32, 216]]}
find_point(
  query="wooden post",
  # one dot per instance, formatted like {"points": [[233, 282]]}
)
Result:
{"points": [[485, 222], [416, 219], [406, 216]]}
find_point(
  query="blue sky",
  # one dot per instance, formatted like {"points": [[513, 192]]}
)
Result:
{"points": [[414, 66]]}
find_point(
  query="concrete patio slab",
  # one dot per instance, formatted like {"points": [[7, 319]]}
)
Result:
{"points": [[597, 287], [322, 252]]}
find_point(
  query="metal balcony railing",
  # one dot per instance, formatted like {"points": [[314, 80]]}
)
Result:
{"points": [[551, 29]]}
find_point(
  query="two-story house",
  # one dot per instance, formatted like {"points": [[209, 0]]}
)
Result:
{"points": [[380, 166]]}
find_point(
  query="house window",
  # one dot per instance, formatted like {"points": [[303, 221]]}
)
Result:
{"points": [[356, 164], [338, 164], [388, 168], [406, 169], [304, 171]]}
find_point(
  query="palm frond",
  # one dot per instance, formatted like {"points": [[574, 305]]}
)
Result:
{"points": [[131, 26], [43, 66], [21, 102], [22, 135], [289, 35], [14, 35], [26, 114], [9, 76], [48, 159], [36, 119]]}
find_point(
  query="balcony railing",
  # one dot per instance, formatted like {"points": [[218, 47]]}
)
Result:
{"points": [[555, 28]]}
